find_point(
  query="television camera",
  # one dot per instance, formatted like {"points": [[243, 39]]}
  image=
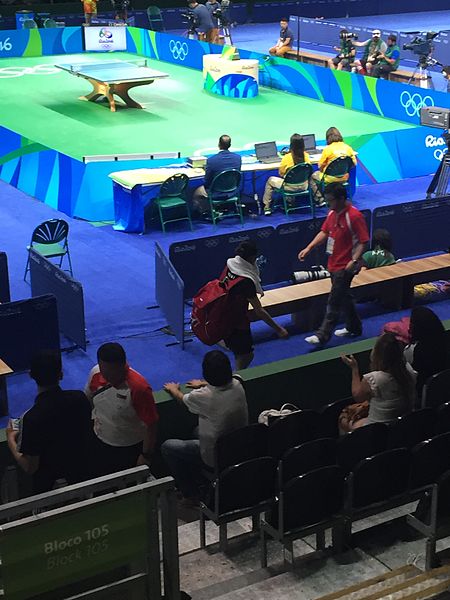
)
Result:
{"points": [[222, 13], [348, 35], [423, 48], [191, 20]]}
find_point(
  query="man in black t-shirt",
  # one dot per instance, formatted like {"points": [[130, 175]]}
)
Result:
{"points": [[52, 441], [285, 41]]}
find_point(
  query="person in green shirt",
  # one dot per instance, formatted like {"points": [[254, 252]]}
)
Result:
{"points": [[380, 254], [389, 59]]}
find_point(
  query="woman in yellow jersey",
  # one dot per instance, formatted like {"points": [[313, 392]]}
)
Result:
{"points": [[90, 9], [335, 148], [295, 156]]}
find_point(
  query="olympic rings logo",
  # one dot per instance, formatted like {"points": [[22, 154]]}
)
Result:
{"points": [[179, 49], [11, 72], [438, 154], [413, 103]]}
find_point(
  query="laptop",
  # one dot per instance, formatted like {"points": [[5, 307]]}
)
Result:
{"points": [[310, 145], [267, 152]]}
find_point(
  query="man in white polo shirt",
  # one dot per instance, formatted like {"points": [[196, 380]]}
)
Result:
{"points": [[124, 412]]}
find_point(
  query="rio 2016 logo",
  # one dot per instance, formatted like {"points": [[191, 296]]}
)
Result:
{"points": [[105, 35], [5, 45]]}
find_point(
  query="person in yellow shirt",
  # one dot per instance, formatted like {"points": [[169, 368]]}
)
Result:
{"points": [[335, 148], [295, 156], [90, 10]]}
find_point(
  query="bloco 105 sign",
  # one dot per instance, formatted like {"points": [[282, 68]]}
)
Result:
{"points": [[105, 39]]}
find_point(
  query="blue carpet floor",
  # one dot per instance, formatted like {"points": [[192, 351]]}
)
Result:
{"points": [[117, 273]]}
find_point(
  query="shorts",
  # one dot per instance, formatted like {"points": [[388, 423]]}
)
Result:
{"points": [[240, 342]]}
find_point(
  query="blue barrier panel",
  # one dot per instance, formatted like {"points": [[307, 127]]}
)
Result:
{"points": [[199, 261], [417, 227], [28, 326], [40, 42], [47, 278], [5, 295], [169, 289]]}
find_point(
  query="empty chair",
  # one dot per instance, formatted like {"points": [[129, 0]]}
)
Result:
{"points": [[50, 239], [30, 24], [410, 429], [224, 194], [293, 430], [429, 460], [436, 390], [243, 490], [330, 417], [307, 457], [442, 423], [240, 445], [172, 199], [49, 23], [308, 504], [359, 444], [376, 484], [155, 19]]}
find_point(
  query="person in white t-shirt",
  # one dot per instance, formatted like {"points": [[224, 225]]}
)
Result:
{"points": [[220, 403]]}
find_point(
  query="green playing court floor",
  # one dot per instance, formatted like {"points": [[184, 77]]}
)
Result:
{"points": [[41, 103]]}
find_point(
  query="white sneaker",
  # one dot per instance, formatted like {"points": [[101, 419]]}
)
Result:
{"points": [[345, 332], [267, 212], [313, 340]]}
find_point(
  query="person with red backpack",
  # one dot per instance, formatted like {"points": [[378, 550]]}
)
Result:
{"points": [[220, 309]]}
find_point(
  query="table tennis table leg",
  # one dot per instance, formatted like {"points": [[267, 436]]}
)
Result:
{"points": [[101, 90], [122, 89]]}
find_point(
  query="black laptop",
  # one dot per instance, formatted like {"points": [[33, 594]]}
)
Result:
{"points": [[267, 152], [310, 145]]}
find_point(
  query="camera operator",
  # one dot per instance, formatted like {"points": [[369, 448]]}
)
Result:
{"points": [[347, 52], [372, 49], [204, 23], [389, 60], [214, 10], [120, 9]]}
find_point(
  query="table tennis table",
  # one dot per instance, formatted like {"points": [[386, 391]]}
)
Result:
{"points": [[113, 78]]}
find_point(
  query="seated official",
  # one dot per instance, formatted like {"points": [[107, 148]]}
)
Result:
{"points": [[335, 148], [285, 41], [204, 23], [220, 403], [389, 60], [347, 52], [295, 156], [372, 49], [224, 160]]}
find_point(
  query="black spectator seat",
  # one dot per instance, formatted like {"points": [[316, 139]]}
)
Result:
{"points": [[442, 424], [409, 430], [239, 446], [330, 416], [359, 444], [290, 431], [307, 457], [436, 390]]}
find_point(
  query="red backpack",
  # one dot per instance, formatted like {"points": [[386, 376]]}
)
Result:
{"points": [[215, 311]]}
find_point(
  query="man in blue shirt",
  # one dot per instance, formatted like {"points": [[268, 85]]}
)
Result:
{"points": [[204, 24], [285, 41], [389, 59], [224, 160]]}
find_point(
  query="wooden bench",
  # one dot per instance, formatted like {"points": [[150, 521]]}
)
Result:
{"points": [[312, 58], [393, 285], [404, 75]]}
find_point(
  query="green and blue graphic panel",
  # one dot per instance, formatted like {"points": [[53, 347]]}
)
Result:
{"points": [[41, 42]]}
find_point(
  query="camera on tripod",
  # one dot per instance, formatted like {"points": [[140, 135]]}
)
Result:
{"points": [[420, 46], [314, 274], [190, 19], [348, 35], [222, 13]]}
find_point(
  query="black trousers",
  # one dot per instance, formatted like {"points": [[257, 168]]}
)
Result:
{"points": [[382, 70], [340, 301], [433, 184]]}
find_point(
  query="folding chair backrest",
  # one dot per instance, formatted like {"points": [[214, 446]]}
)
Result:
{"points": [[361, 443], [174, 186], [339, 166], [30, 24], [49, 23], [410, 429], [313, 497], [226, 182], [429, 460], [240, 445], [51, 232], [437, 390], [293, 430], [299, 173], [307, 457], [380, 477], [247, 485]]}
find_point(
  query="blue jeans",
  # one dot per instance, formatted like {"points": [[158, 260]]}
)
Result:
{"points": [[185, 463]]}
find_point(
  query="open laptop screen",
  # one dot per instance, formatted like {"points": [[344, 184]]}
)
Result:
{"points": [[310, 141], [266, 150]]}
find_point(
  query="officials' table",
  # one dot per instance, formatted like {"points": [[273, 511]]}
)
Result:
{"points": [[115, 77]]}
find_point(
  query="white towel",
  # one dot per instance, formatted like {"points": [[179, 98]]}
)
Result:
{"points": [[243, 268]]}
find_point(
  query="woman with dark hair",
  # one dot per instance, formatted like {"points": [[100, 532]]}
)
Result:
{"points": [[380, 254], [428, 353], [389, 388], [295, 156], [335, 148]]}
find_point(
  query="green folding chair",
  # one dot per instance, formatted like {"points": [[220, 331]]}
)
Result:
{"points": [[295, 176], [50, 239], [155, 19], [49, 23], [30, 24], [223, 193], [338, 168], [172, 198]]}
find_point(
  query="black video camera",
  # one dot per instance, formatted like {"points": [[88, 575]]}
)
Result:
{"points": [[421, 46], [190, 18], [348, 35]]}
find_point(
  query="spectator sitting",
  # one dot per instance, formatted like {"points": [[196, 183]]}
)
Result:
{"points": [[124, 412], [380, 254], [295, 156], [428, 353], [389, 389], [220, 403], [224, 160], [52, 440], [335, 148]]}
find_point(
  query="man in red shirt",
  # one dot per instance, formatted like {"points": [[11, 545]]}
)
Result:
{"points": [[124, 413], [346, 234]]}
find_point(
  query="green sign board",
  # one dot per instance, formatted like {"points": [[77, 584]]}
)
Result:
{"points": [[50, 551]]}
